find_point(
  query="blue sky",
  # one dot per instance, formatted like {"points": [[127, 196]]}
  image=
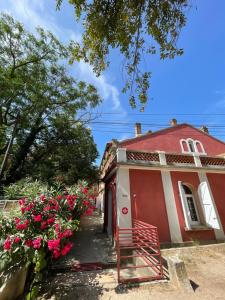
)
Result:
{"points": [[188, 85]]}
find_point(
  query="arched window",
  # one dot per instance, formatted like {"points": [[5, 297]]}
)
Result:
{"points": [[191, 146], [190, 205], [199, 147], [184, 145]]}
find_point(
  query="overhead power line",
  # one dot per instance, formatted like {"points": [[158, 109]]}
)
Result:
{"points": [[163, 114]]}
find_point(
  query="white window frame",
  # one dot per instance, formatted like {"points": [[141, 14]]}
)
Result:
{"points": [[194, 144], [187, 214]]}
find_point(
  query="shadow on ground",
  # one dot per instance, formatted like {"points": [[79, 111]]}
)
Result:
{"points": [[79, 286]]}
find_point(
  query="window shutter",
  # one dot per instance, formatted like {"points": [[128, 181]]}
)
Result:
{"points": [[184, 205], [208, 206]]}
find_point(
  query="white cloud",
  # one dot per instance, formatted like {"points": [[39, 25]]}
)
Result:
{"points": [[107, 90], [34, 13]]}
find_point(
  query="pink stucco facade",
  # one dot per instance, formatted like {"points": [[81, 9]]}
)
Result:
{"points": [[155, 189]]}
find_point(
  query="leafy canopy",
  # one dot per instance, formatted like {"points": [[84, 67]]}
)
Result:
{"points": [[136, 28], [45, 105]]}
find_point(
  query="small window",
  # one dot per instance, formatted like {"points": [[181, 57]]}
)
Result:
{"points": [[199, 147], [192, 146], [185, 146]]}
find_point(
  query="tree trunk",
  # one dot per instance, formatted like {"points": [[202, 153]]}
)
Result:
{"points": [[6, 156], [15, 171]]}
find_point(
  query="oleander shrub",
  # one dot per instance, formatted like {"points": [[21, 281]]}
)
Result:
{"points": [[41, 232]]}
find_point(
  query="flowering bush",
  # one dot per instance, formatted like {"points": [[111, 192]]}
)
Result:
{"points": [[41, 232]]}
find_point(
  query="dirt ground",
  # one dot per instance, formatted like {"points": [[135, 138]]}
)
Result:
{"points": [[206, 273], [205, 268]]}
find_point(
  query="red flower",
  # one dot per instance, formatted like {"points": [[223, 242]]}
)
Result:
{"points": [[51, 221], [85, 190], [37, 218], [22, 226], [56, 253], [89, 212], [29, 207], [53, 244], [56, 207], [42, 197], [47, 207], [67, 233], [59, 197], [17, 220], [7, 244], [86, 203], [17, 239], [44, 225], [29, 243], [37, 243], [57, 228], [66, 249]]}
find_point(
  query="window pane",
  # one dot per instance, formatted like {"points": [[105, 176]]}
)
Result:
{"points": [[187, 190], [191, 146], [192, 210]]}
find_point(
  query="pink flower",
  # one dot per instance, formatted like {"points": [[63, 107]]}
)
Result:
{"points": [[59, 197], [22, 202], [17, 239], [7, 244], [37, 243], [53, 244], [67, 233], [56, 253], [38, 218], [66, 249]]}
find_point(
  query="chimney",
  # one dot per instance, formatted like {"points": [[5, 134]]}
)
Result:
{"points": [[204, 129], [137, 129], [173, 122]]}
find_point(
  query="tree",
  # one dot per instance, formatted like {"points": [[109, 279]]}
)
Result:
{"points": [[35, 83], [136, 28], [67, 154]]}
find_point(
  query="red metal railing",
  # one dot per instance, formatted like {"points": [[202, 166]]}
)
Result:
{"points": [[138, 253]]}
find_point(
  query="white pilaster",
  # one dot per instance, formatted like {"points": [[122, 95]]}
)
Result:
{"points": [[123, 199], [219, 233], [162, 158], [197, 160], [171, 209], [121, 155]]}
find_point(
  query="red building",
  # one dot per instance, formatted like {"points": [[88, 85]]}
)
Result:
{"points": [[173, 179]]}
